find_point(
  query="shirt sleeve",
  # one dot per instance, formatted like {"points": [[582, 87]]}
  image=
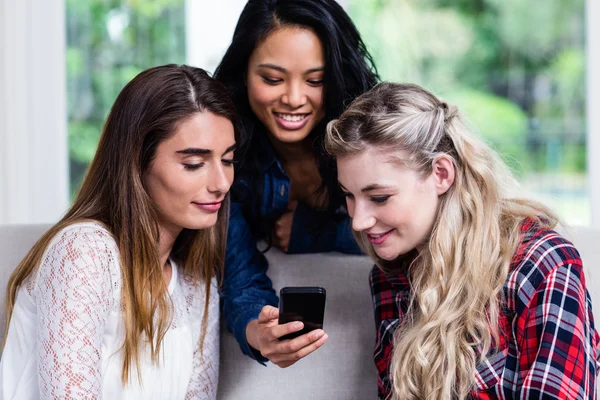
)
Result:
{"points": [[318, 231], [73, 294], [205, 369], [246, 287], [556, 338], [386, 293]]}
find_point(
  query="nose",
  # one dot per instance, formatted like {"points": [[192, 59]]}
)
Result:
{"points": [[294, 96], [221, 179], [362, 219]]}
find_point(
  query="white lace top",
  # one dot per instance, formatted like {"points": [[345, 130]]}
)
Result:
{"points": [[67, 330]]}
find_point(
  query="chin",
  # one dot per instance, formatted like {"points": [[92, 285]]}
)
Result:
{"points": [[387, 255], [291, 137], [198, 225]]}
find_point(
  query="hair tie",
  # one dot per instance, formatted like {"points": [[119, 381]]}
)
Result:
{"points": [[450, 111]]}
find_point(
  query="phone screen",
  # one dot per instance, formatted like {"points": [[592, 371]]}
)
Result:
{"points": [[305, 304]]}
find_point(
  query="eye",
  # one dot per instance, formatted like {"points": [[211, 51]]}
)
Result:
{"points": [[271, 81], [315, 82], [379, 199], [192, 167], [229, 163], [348, 195]]}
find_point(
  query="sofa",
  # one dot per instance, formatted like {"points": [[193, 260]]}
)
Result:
{"points": [[343, 368]]}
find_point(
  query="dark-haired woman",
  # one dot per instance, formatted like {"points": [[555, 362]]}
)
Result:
{"points": [[293, 66], [119, 299]]}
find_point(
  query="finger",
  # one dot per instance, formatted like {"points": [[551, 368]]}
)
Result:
{"points": [[285, 244], [303, 352], [303, 341], [284, 329], [284, 364], [267, 314], [292, 205], [316, 339]]}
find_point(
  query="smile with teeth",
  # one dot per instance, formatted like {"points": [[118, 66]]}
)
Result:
{"points": [[292, 117], [377, 236]]}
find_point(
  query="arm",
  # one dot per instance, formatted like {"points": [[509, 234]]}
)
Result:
{"points": [[205, 369], [556, 338], [385, 292], [246, 287], [73, 293], [249, 301], [317, 231]]}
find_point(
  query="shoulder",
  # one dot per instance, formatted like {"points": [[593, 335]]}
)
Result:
{"points": [[542, 254], [84, 250], [85, 234]]}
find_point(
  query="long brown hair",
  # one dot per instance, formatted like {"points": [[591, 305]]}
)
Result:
{"points": [[145, 113]]}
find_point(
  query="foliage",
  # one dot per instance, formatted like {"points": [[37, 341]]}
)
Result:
{"points": [[108, 43], [516, 68]]}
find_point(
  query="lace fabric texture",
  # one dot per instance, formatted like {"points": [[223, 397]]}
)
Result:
{"points": [[67, 330]]}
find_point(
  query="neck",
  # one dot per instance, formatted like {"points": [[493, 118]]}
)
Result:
{"points": [[167, 237], [293, 152]]}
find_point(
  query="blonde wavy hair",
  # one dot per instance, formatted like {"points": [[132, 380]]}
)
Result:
{"points": [[457, 280]]}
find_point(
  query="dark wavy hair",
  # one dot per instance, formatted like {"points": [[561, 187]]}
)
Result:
{"points": [[349, 72]]}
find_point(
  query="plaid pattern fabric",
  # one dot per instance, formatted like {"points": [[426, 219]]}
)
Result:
{"points": [[548, 345]]}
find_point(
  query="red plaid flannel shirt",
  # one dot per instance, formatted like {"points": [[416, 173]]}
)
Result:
{"points": [[548, 345]]}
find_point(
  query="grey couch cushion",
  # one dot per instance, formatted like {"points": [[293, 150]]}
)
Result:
{"points": [[15, 242], [343, 367]]}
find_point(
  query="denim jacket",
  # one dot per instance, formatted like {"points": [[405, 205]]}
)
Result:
{"points": [[246, 287]]}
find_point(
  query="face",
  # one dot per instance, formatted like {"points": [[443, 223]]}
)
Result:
{"points": [[192, 172], [285, 83], [392, 204]]}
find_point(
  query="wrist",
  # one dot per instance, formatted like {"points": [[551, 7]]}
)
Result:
{"points": [[252, 334]]}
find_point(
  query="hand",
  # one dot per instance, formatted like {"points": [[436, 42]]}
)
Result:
{"points": [[282, 230], [263, 334]]}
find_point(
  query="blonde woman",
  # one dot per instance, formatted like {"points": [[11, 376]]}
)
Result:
{"points": [[475, 295], [119, 299]]}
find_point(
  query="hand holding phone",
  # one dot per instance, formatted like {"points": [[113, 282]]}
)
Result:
{"points": [[305, 304]]}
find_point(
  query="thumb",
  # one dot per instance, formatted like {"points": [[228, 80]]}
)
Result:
{"points": [[268, 313]]}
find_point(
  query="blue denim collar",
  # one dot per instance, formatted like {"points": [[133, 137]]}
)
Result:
{"points": [[267, 156]]}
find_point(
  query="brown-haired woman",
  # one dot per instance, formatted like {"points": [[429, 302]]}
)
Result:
{"points": [[119, 299]]}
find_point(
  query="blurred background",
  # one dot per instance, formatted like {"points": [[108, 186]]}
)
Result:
{"points": [[517, 69]]}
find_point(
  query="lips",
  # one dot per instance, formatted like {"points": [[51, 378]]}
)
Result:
{"points": [[210, 207], [291, 121], [378, 238]]}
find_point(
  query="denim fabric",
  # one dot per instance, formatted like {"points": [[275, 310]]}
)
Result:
{"points": [[246, 286]]}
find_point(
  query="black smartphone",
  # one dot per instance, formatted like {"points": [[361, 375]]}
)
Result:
{"points": [[302, 303]]}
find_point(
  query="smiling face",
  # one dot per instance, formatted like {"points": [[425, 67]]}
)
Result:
{"points": [[191, 173], [285, 83], [391, 203]]}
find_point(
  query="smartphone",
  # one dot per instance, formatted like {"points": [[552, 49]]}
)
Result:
{"points": [[302, 303]]}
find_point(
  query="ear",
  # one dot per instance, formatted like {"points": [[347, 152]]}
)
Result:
{"points": [[443, 174]]}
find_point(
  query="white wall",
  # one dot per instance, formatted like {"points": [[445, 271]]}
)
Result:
{"points": [[209, 29], [33, 136]]}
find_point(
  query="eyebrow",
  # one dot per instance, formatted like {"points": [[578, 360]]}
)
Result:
{"points": [[368, 188], [281, 69], [374, 186], [202, 152]]}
